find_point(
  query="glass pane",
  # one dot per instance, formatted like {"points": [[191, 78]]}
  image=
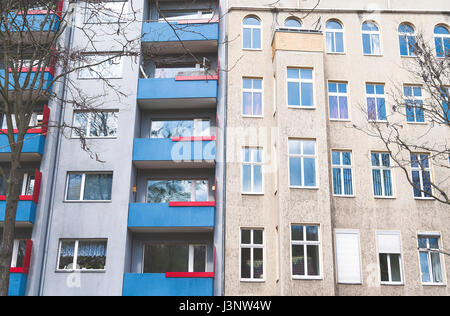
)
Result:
{"points": [[247, 178], [257, 237], [257, 103], [165, 191], [387, 183], [339, 42], [312, 233], [313, 260], [295, 147], [245, 263], [257, 181], [337, 181], [169, 129], [21, 253], [80, 124], [434, 243], [297, 232], [377, 189], [307, 94], [366, 44], [245, 237], [436, 265], [293, 73], [293, 93], [343, 108], [310, 172], [103, 124], [74, 187], [384, 269], [66, 255], [298, 260], [309, 147], [395, 268], [258, 263], [306, 73], [91, 255], [201, 191], [295, 172], [256, 38], [162, 258], [199, 258], [334, 107], [98, 187], [424, 268], [247, 38], [422, 243]]}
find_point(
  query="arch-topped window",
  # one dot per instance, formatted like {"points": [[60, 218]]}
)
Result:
{"points": [[442, 41], [251, 33], [371, 38], [407, 39], [334, 36], [293, 23]]}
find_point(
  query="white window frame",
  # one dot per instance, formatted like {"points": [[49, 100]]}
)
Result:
{"points": [[15, 252], [252, 163], [338, 94], [334, 31], [414, 99], [371, 34], [341, 168], [252, 28], [300, 80], [428, 251], [421, 170], [89, 117], [252, 91], [306, 243], [96, 72], [382, 168], [407, 36], [28, 181], [302, 156], [390, 282], [376, 96], [83, 182], [252, 246], [75, 254], [442, 38]]}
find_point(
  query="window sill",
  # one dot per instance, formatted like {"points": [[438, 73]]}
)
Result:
{"points": [[252, 281], [253, 116], [252, 49], [385, 197], [305, 278], [252, 194], [75, 202], [373, 55], [94, 138], [423, 199], [304, 188], [345, 196], [434, 284], [338, 120], [80, 271], [336, 53], [301, 107], [391, 284]]}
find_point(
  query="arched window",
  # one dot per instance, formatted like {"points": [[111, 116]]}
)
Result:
{"points": [[371, 39], [335, 37], [293, 23], [442, 41], [251, 33], [407, 39]]}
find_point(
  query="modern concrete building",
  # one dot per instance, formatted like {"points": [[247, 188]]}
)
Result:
{"points": [[229, 161]]}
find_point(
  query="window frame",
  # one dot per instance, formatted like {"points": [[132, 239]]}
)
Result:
{"points": [[429, 235], [252, 246], [375, 96], [89, 117], [338, 94], [371, 34], [406, 36], [334, 31], [93, 74], [341, 167], [193, 187], [252, 28], [302, 156], [300, 81], [414, 99], [402, 277], [306, 243], [441, 38], [381, 168], [75, 254], [82, 186], [252, 165], [252, 91], [422, 169]]}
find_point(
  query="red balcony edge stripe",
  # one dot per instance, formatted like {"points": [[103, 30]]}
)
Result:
{"points": [[189, 274], [51, 70], [196, 78], [44, 12], [30, 131], [17, 270], [37, 186], [26, 261], [194, 139], [192, 204], [199, 21], [21, 198]]}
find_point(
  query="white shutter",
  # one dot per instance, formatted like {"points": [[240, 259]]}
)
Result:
{"points": [[348, 257], [389, 242]]}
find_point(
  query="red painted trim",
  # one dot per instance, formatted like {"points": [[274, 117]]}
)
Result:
{"points": [[189, 274], [21, 198], [199, 21], [17, 270], [51, 70], [27, 259], [192, 204], [196, 78], [30, 131], [45, 120], [194, 139], [37, 186]]}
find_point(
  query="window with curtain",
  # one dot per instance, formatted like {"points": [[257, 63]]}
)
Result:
{"points": [[165, 257], [414, 104], [442, 41], [102, 124], [165, 191], [252, 254], [430, 259], [376, 102], [251, 33], [342, 173], [252, 92], [407, 40], [302, 163], [334, 37], [338, 100], [382, 175], [421, 175], [300, 87], [252, 175], [305, 245], [390, 257], [83, 254], [371, 39], [89, 186]]}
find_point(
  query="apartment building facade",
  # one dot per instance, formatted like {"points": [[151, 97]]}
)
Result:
{"points": [[229, 161]]}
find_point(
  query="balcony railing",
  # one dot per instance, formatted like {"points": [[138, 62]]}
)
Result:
{"points": [[18, 276], [36, 77]]}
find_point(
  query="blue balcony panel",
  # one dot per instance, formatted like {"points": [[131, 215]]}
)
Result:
{"points": [[32, 150], [179, 38], [26, 213], [160, 285], [17, 284], [159, 217], [165, 153], [39, 21], [168, 93], [45, 77]]}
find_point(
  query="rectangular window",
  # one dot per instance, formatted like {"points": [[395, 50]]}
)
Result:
{"points": [[421, 175], [102, 12], [100, 66], [300, 87], [18, 254], [165, 191], [177, 15], [445, 105], [338, 100], [28, 184], [162, 258], [414, 104], [252, 255], [342, 173], [376, 102], [348, 257], [302, 163], [95, 124], [382, 175], [252, 97], [252, 176], [181, 128], [89, 186], [83, 254], [305, 242], [35, 121], [390, 257], [430, 259]]}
